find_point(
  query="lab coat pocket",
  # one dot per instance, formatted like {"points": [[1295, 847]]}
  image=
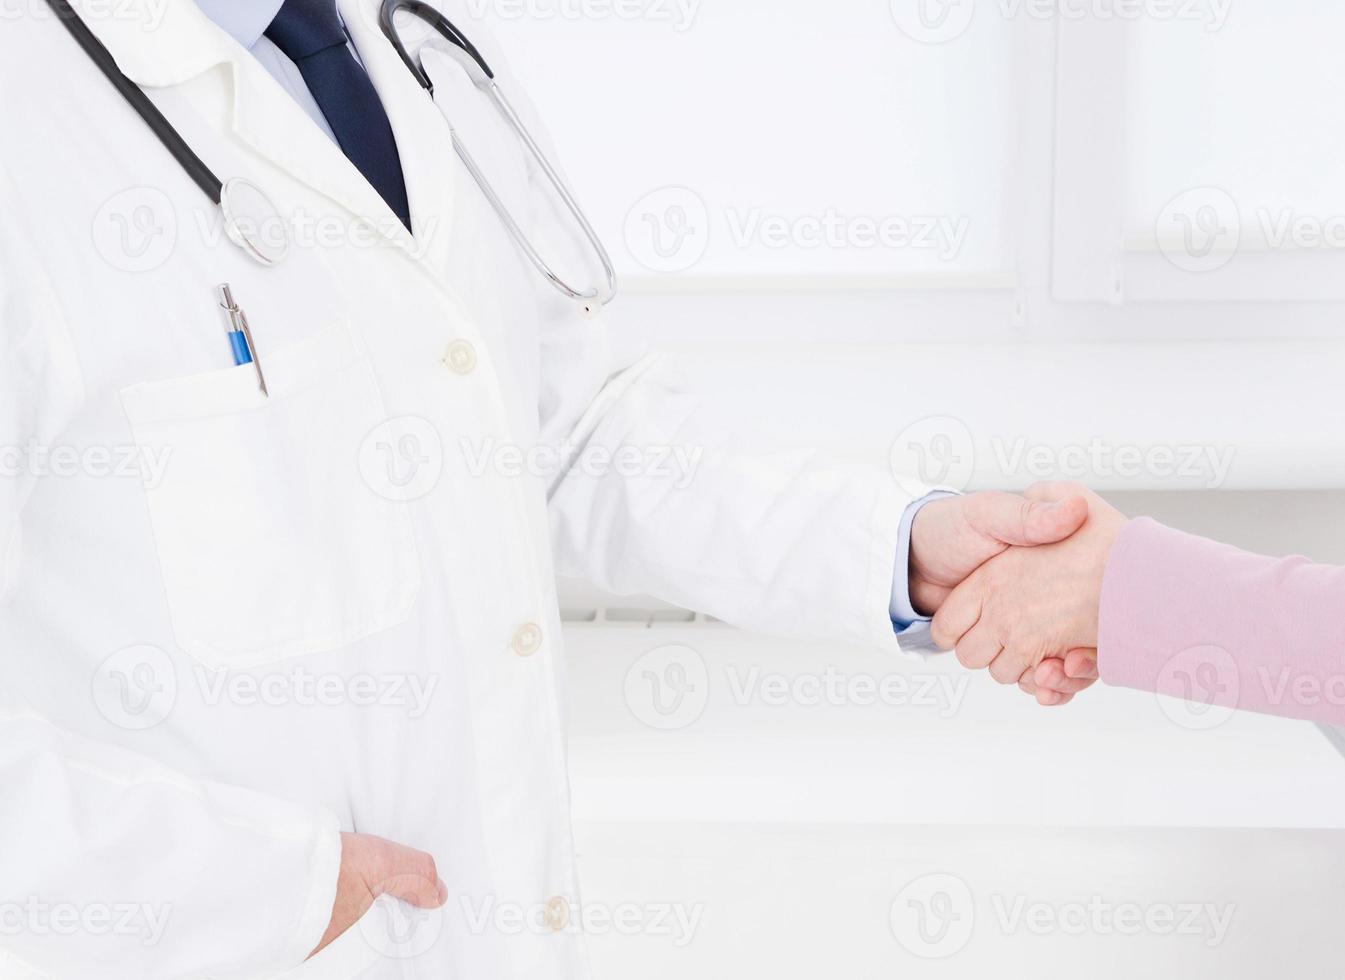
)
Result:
{"points": [[271, 544], [386, 941]]}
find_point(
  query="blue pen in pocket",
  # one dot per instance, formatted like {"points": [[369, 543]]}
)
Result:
{"points": [[240, 335]]}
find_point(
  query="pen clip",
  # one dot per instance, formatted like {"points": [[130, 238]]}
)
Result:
{"points": [[238, 320]]}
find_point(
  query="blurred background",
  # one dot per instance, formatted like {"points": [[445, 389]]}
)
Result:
{"points": [[982, 243]]}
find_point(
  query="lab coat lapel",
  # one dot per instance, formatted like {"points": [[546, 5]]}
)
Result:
{"points": [[160, 43], [424, 139], [273, 124]]}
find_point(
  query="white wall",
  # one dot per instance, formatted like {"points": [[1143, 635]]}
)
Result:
{"points": [[1031, 170]]}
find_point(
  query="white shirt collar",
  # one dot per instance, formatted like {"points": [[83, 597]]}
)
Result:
{"points": [[246, 20]]}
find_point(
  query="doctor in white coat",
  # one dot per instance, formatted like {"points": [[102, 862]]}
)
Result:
{"points": [[248, 638]]}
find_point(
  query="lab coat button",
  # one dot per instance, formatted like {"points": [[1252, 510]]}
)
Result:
{"points": [[528, 640], [461, 357], [557, 914]]}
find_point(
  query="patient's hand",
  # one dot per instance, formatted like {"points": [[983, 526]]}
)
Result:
{"points": [[1057, 679], [1031, 605], [953, 537]]}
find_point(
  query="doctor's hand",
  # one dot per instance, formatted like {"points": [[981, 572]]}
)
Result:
{"points": [[953, 537], [1031, 605], [370, 867]]}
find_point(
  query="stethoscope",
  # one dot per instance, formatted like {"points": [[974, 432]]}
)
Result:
{"points": [[250, 218]]}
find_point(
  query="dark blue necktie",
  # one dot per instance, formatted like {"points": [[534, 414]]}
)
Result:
{"points": [[309, 32]]}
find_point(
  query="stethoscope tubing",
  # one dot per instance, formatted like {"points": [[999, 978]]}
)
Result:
{"points": [[171, 139], [484, 79], [222, 194]]}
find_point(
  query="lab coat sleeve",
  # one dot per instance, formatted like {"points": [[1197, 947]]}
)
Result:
{"points": [[112, 866], [658, 496], [663, 498], [115, 867]]}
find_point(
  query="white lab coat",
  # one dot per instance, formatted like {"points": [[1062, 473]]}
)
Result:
{"points": [[199, 662]]}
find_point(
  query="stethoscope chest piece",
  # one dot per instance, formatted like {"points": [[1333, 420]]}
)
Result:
{"points": [[253, 222]]}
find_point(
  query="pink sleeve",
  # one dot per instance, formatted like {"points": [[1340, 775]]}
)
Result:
{"points": [[1189, 617]]}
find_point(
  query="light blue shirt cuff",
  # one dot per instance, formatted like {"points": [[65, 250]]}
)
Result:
{"points": [[905, 619]]}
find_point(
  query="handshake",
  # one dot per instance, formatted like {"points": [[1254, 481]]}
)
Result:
{"points": [[1015, 583]]}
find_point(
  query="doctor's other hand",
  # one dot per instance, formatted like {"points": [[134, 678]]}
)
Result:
{"points": [[1032, 604], [370, 867], [953, 537]]}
